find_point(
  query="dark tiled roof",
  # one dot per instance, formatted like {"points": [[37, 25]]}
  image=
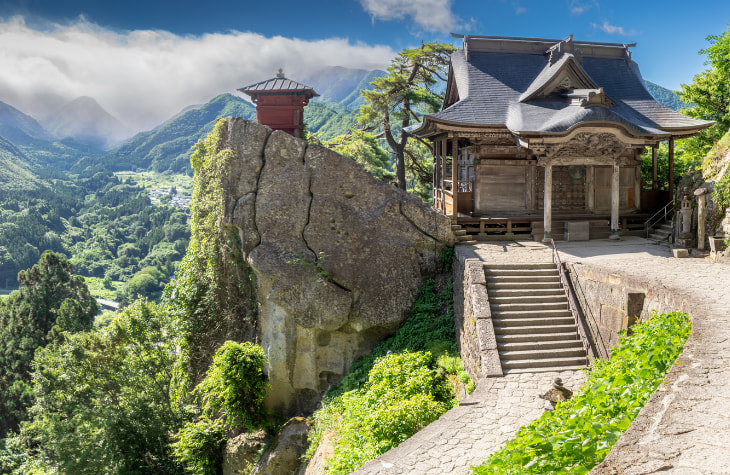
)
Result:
{"points": [[492, 82], [277, 84]]}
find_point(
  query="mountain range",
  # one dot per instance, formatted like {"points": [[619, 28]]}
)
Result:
{"points": [[78, 137]]}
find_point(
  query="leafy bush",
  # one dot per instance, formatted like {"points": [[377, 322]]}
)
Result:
{"points": [[401, 387], [403, 394], [580, 432], [200, 446], [721, 197], [236, 384]]}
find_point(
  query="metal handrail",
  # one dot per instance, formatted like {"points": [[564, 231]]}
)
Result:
{"points": [[662, 213], [573, 303]]}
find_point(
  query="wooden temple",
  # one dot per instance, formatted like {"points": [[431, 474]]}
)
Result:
{"points": [[535, 134], [280, 103]]}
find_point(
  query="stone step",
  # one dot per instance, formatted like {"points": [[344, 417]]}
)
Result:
{"points": [[501, 308], [459, 232], [534, 313], [539, 345], [539, 327], [527, 298], [508, 339], [544, 369], [469, 242], [498, 279], [455, 227], [570, 361], [661, 233], [521, 272], [543, 265], [499, 286], [522, 291], [542, 353]]}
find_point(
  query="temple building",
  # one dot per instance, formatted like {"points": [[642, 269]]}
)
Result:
{"points": [[536, 134], [280, 103]]}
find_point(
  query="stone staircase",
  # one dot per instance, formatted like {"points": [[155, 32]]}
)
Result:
{"points": [[662, 234], [461, 236], [533, 325]]}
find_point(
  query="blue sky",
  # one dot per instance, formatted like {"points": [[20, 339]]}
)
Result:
{"points": [[146, 60]]}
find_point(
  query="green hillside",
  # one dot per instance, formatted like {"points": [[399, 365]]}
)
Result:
{"points": [[168, 146], [15, 172], [666, 97], [329, 119]]}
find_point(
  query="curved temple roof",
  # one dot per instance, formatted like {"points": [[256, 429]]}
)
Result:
{"points": [[278, 84], [548, 87]]}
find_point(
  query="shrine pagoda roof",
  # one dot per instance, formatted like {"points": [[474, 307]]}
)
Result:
{"points": [[536, 86], [278, 84]]}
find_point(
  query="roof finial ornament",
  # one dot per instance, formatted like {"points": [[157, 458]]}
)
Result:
{"points": [[280, 73]]}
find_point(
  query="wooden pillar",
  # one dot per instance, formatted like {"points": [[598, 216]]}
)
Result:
{"points": [[655, 180], [590, 188], [455, 177], [530, 188], [443, 173], [548, 202], [637, 187], [435, 171], [671, 167], [615, 189]]}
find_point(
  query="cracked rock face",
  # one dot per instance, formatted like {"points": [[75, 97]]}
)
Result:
{"points": [[338, 256]]}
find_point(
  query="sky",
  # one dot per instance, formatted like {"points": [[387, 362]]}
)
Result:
{"points": [[144, 61]]}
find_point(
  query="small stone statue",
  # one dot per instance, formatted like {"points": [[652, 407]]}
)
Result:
{"points": [[557, 393]]}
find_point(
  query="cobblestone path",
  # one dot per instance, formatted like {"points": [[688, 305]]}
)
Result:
{"points": [[467, 434], [685, 427]]}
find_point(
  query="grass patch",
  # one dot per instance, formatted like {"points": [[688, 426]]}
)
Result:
{"points": [[98, 289], [151, 180], [579, 433], [407, 382]]}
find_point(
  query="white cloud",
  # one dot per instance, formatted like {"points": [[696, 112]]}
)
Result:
{"points": [[612, 29], [580, 6], [431, 15], [144, 77]]}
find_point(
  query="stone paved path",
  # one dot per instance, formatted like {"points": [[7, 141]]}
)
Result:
{"points": [[467, 434], [685, 427]]}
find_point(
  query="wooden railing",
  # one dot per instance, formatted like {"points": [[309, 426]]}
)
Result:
{"points": [[573, 303]]}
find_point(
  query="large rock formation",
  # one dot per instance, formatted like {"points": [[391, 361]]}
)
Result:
{"points": [[338, 256]]}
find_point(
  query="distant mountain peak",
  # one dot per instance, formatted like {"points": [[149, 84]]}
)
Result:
{"points": [[86, 121]]}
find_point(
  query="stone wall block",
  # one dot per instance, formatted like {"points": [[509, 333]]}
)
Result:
{"points": [[475, 272], [479, 301], [485, 334]]}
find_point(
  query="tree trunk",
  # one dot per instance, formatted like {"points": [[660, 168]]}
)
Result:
{"points": [[400, 168]]}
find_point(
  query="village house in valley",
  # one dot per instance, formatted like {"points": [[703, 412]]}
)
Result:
{"points": [[536, 135]]}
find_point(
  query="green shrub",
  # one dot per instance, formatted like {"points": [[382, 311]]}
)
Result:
{"points": [[200, 446], [580, 432], [236, 385], [402, 395], [401, 387]]}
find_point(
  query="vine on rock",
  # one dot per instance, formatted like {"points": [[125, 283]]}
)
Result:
{"points": [[213, 296]]}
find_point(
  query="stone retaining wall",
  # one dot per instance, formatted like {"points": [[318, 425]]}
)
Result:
{"points": [[613, 302], [474, 330]]}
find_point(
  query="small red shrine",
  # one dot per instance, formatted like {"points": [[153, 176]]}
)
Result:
{"points": [[280, 103]]}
